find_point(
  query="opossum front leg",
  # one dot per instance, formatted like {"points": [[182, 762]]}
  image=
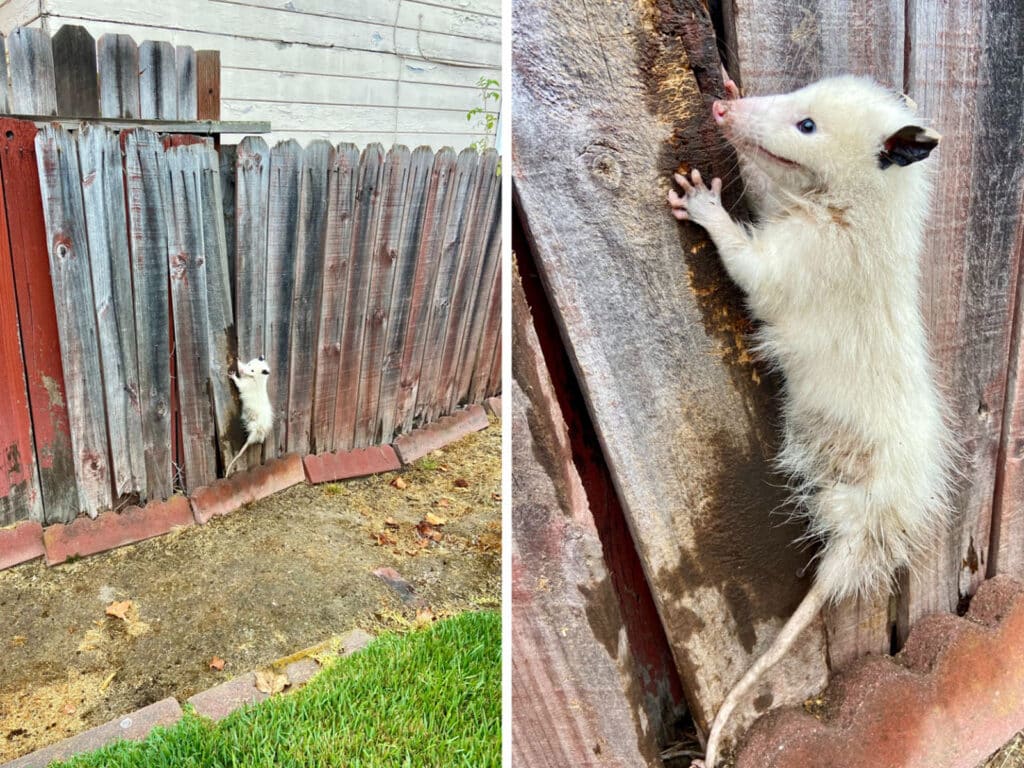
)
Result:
{"points": [[737, 248]]}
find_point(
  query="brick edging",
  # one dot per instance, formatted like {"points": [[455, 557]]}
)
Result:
{"points": [[215, 703], [84, 536], [952, 697]]}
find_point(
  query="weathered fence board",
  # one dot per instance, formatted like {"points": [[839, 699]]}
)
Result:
{"points": [[962, 54], [147, 195], [485, 301], [383, 256], [208, 85], [228, 159], [782, 47], [317, 160], [428, 259], [5, 106], [118, 66], [158, 78], [429, 393], [575, 697], [368, 195], [38, 320], [187, 269], [74, 69], [337, 261], [20, 497], [185, 71], [406, 247], [220, 323], [468, 287], [106, 223], [63, 210], [654, 329], [33, 90], [252, 196], [486, 377], [282, 232]]}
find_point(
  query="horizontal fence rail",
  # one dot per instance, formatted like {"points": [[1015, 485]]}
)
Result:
{"points": [[370, 282]]}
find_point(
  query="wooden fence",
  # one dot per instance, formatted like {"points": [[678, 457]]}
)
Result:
{"points": [[656, 330], [370, 281], [73, 75]]}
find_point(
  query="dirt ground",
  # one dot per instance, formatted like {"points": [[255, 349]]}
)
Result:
{"points": [[276, 577]]}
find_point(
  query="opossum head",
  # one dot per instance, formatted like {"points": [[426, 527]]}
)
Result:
{"points": [[845, 135], [256, 368]]}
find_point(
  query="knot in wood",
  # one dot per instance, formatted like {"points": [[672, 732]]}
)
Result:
{"points": [[605, 164]]}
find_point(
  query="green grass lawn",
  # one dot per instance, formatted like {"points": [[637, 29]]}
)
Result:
{"points": [[429, 698]]}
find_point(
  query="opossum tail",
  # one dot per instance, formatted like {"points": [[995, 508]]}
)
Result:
{"points": [[241, 450], [809, 607]]}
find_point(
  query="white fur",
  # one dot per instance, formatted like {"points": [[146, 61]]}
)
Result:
{"points": [[257, 412], [832, 271]]}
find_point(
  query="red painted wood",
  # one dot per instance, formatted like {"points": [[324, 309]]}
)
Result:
{"points": [[20, 498], [38, 320]]}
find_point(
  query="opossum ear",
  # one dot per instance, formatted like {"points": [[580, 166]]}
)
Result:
{"points": [[908, 145]]}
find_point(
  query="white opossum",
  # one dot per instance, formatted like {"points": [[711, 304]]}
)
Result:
{"points": [[257, 412], [831, 271]]}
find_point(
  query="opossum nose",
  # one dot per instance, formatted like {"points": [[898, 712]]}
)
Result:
{"points": [[718, 110]]}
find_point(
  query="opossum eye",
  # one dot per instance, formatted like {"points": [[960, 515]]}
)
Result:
{"points": [[806, 125], [266, 373]]}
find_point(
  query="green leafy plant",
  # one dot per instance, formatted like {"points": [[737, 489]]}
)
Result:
{"points": [[485, 117]]}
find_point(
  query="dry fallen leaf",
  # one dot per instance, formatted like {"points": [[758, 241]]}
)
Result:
{"points": [[461, 483], [119, 609], [390, 522], [217, 663], [433, 519], [399, 483], [69, 709], [443, 502], [108, 680], [271, 682], [424, 617], [385, 540], [18, 640]]}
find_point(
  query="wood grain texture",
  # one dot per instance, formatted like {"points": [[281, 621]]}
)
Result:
{"points": [[964, 62], [573, 683], [5, 105], [782, 47], [228, 158], [148, 196], [106, 222], [20, 496], [74, 69], [64, 213], [406, 267], [490, 344], [428, 259], [37, 316], [384, 256], [282, 237], [655, 330], [367, 205], [208, 85], [221, 316], [118, 71], [186, 72], [435, 366], [489, 243], [485, 249], [252, 196], [341, 203], [158, 81], [186, 256], [317, 160], [33, 89]]}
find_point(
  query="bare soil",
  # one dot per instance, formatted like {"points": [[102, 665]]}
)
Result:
{"points": [[280, 575]]}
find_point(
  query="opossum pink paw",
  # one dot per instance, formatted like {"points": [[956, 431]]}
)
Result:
{"points": [[732, 91], [697, 764], [698, 203]]}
